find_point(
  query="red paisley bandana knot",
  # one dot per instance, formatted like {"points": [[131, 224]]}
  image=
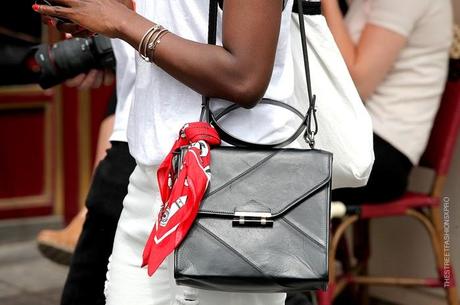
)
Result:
{"points": [[183, 177]]}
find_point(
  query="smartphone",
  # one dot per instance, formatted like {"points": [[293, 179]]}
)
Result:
{"points": [[46, 2]]}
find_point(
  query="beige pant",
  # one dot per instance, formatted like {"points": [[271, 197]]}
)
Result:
{"points": [[128, 284]]}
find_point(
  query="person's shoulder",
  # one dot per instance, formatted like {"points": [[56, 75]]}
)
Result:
{"points": [[438, 9], [437, 20], [412, 7], [400, 16]]}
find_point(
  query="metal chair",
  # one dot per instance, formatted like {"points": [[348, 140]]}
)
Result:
{"points": [[426, 208]]}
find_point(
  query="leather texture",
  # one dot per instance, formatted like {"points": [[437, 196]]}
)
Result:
{"points": [[290, 254], [263, 225]]}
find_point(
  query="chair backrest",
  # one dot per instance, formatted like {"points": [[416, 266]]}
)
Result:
{"points": [[439, 151]]}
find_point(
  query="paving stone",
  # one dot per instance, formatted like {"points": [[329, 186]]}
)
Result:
{"points": [[32, 275], [16, 253], [26, 299], [7, 290], [26, 229], [53, 295]]}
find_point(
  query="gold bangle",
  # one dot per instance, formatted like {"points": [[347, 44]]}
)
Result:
{"points": [[151, 41], [151, 30], [143, 38], [146, 42], [157, 42]]}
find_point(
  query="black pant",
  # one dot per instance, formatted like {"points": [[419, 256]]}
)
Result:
{"points": [[86, 278], [388, 179]]}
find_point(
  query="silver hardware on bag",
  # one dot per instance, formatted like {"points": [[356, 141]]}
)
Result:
{"points": [[312, 124], [252, 219]]}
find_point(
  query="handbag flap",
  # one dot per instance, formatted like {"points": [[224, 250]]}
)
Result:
{"points": [[263, 181]]}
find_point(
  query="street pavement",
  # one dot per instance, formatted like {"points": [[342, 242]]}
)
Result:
{"points": [[26, 278]]}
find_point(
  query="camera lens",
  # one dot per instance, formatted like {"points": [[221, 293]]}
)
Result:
{"points": [[66, 59]]}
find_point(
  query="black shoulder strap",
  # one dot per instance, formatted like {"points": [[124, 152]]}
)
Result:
{"points": [[212, 34], [309, 121]]}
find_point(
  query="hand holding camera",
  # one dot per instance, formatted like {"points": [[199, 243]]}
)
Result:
{"points": [[69, 58], [94, 78]]}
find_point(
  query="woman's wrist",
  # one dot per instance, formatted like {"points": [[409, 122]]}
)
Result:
{"points": [[122, 27], [132, 27]]}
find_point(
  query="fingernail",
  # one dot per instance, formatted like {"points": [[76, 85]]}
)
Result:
{"points": [[36, 7], [50, 22]]}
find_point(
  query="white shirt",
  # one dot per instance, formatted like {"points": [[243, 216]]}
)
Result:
{"points": [[404, 105], [163, 105], [125, 76]]}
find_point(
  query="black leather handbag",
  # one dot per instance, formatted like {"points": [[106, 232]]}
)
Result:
{"points": [[263, 225]]}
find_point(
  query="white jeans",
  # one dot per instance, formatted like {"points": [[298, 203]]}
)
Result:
{"points": [[128, 284]]}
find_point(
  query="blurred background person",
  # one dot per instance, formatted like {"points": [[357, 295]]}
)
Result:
{"points": [[397, 54], [59, 245], [89, 237]]}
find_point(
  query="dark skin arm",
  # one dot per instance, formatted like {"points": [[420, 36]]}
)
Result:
{"points": [[240, 71]]}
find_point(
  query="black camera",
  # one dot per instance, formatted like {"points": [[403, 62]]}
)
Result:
{"points": [[65, 59]]}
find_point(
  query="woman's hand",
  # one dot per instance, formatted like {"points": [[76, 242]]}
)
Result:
{"points": [[100, 16], [92, 79], [70, 29]]}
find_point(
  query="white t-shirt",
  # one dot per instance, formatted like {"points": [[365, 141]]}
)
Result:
{"points": [[404, 105], [163, 105], [125, 75]]}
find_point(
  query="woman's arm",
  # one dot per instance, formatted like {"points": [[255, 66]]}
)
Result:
{"points": [[372, 57], [239, 71]]}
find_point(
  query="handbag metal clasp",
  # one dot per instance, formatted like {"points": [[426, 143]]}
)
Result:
{"points": [[252, 219]]}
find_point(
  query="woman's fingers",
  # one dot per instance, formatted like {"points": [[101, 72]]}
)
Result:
{"points": [[98, 80], [62, 2], [108, 77], [76, 81], [90, 80], [48, 20], [68, 27], [74, 29], [54, 11], [83, 33]]}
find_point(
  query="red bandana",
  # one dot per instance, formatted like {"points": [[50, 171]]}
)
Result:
{"points": [[181, 191]]}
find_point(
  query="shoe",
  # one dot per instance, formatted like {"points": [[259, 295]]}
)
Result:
{"points": [[59, 245]]}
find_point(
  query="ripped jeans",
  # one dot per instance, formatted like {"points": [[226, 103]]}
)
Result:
{"points": [[128, 284]]}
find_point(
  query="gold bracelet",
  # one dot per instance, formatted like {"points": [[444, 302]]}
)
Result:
{"points": [[157, 42], [143, 38], [152, 41], [146, 42], [151, 30]]}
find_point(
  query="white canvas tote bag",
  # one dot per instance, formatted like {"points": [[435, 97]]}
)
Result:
{"points": [[345, 128]]}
